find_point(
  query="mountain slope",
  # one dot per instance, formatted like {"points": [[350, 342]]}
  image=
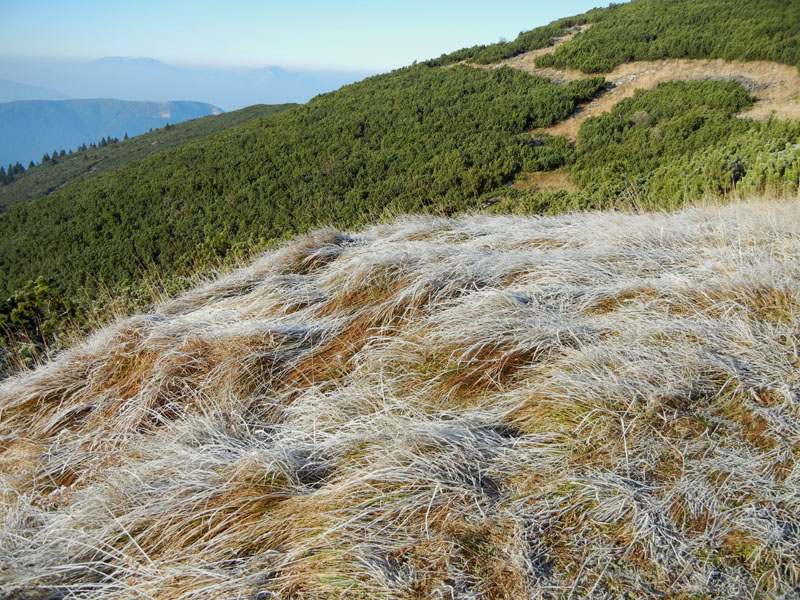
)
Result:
{"points": [[425, 138], [45, 178], [655, 29], [32, 128], [595, 405], [775, 88], [414, 137]]}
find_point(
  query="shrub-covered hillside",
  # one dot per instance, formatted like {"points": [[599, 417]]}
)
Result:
{"points": [[681, 141], [655, 29], [405, 140], [590, 406], [427, 138]]}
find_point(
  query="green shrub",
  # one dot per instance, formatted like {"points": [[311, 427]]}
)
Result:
{"points": [[657, 29]]}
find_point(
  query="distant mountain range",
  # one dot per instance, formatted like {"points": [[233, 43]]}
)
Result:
{"points": [[32, 128], [12, 90], [151, 79]]}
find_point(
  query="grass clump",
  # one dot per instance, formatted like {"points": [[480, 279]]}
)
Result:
{"points": [[596, 404]]}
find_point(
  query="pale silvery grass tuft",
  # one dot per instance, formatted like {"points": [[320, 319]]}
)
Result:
{"points": [[589, 405]]}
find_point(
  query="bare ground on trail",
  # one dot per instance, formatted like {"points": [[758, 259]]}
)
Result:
{"points": [[528, 57], [573, 31], [548, 180]]}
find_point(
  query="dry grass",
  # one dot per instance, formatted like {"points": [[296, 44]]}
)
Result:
{"points": [[547, 180], [590, 405]]}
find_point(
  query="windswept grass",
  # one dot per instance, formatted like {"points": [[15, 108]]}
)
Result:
{"points": [[590, 405]]}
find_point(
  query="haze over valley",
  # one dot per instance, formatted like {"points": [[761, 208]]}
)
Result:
{"points": [[149, 79], [131, 95]]}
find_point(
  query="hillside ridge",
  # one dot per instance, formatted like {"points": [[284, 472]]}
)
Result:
{"points": [[44, 179]]}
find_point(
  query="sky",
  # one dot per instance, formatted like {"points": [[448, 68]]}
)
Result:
{"points": [[345, 35]]}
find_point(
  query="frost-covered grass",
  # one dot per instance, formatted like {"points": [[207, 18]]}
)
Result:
{"points": [[588, 405]]}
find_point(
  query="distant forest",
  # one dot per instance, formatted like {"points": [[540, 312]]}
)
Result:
{"points": [[14, 172]]}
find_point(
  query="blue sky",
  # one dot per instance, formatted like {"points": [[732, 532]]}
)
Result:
{"points": [[343, 35]]}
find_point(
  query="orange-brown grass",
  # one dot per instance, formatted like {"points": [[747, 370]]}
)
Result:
{"points": [[592, 405]]}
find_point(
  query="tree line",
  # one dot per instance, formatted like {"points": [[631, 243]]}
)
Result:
{"points": [[12, 173]]}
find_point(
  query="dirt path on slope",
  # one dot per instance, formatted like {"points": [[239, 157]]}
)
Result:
{"points": [[776, 87], [573, 31], [523, 61]]}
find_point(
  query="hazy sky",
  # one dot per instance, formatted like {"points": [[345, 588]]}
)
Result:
{"points": [[310, 34]]}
